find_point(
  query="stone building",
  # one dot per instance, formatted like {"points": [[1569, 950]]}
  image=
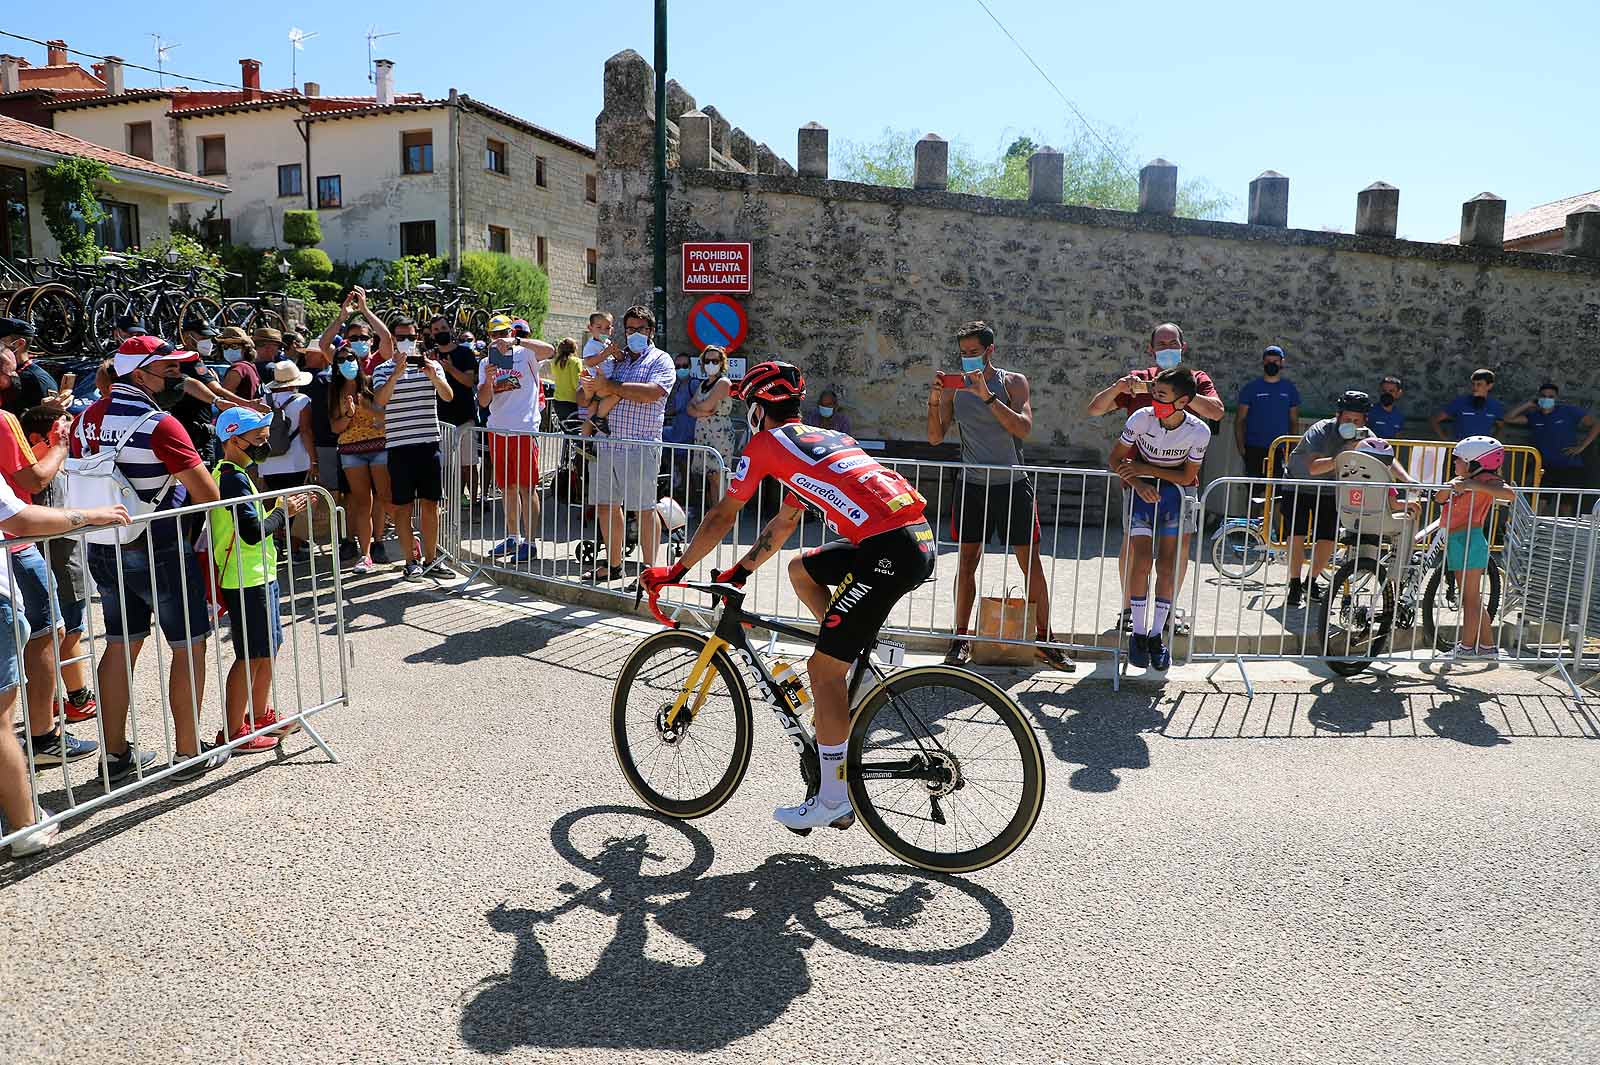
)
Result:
{"points": [[390, 174], [1541, 228], [864, 286]]}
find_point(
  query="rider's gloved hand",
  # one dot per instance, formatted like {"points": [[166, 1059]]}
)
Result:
{"points": [[656, 576], [735, 574]]}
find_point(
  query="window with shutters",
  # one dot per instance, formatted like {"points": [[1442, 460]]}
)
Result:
{"points": [[494, 156], [500, 239], [213, 155], [419, 238], [140, 140]]}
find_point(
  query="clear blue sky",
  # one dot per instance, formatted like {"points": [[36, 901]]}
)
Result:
{"points": [[1445, 100]]}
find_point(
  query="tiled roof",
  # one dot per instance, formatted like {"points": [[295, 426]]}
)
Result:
{"points": [[522, 123], [1542, 220], [184, 107], [27, 135], [60, 76]]}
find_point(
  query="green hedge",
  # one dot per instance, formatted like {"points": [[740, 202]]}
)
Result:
{"points": [[302, 228], [508, 282], [413, 268], [310, 263]]}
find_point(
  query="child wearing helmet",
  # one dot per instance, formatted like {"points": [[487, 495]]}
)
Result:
{"points": [[1467, 501]]}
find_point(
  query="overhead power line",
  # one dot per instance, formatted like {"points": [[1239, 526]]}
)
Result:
{"points": [[1051, 82], [149, 70]]}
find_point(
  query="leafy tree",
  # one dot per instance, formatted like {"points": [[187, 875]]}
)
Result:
{"points": [[1096, 173], [508, 282]]}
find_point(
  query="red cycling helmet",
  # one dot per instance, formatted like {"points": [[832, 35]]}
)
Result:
{"points": [[773, 382]]}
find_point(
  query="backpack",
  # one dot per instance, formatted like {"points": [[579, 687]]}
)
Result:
{"points": [[94, 481], [281, 434]]}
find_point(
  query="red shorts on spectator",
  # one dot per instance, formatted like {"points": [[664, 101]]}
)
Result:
{"points": [[516, 460]]}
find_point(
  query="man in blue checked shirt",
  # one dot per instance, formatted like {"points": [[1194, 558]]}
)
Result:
{"points": [[623, 476]]}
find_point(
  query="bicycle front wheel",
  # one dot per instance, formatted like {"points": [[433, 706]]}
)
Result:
{"points": [[692, 766], [1357, 615], [56, 313], [1238, 551], [945, 771]]}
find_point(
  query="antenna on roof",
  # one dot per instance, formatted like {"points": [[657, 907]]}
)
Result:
{"points": [[374, 35], [163, 48], [297, 38]]}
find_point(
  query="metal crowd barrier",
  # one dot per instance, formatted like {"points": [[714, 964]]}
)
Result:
{"points": [[1390, 595], [1427, 461], [309, 672]]}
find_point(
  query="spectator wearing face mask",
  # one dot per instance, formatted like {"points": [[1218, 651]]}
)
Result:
{"points": [[299, 465], [679, 427], [1129, 393], [508, 385], [203, 392], [1387, 419], [1315, 510], [239, 352], [827, 415], [363, 455], [713, 413], [1474, 414], [1555, 428], [30, 384], [1269, 407], [409, 389], [247, 575], [460, 412]]}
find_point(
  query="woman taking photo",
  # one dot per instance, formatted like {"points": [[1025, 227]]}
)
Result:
{"points": [[363, 451]]}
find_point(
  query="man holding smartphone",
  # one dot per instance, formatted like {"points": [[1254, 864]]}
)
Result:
{"points": [[409, 387], [993, 412]]}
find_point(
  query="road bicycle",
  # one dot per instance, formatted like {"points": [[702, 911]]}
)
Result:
{"points": [[1239, 547], [1376, 593], [944, 769], [264, 310]]}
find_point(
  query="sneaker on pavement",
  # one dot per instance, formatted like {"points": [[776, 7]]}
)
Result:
{"points": [[413, 570], [1055, 658], [35, 840], [1297, 591], [348, 551], [1180, 622], [526, 552], [78, 710], [1160, 655], [814, 813], [508, 546], [441, 568], [61, 747], [1319, 590], [211, 758], [960, 653], [1487, 650], [258, 743], [363, 567], [121, 767], [1138, 652], [379, 553]]}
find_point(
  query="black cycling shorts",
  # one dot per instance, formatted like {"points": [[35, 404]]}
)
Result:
{"points": [[868, 579], [1006, 509]]}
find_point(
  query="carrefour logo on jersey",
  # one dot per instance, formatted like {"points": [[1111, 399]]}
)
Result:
{"points": [[832, 496], [850, 462]]}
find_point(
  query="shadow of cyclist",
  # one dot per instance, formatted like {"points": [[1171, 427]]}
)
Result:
{"points": [[748, 932], [1100, 731]]}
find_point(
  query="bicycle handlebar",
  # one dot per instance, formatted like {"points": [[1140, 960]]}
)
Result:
{"points": [[712, 587]]}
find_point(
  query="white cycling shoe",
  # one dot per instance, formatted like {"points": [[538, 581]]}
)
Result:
{"points": [[814, 813]]}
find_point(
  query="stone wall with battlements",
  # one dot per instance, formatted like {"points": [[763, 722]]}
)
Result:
{"points": [[864, 286]]}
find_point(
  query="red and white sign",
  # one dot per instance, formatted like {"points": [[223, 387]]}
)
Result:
{"points": [[721, 321], [713, 266]]}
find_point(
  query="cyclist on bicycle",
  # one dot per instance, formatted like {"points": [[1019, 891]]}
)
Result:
{"points": [[886, 550]]}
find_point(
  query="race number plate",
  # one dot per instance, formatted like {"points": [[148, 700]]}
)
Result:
{"points": [[890, 654]]}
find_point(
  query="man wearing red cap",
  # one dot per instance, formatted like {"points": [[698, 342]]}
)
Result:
{"points": [[158, 574]]}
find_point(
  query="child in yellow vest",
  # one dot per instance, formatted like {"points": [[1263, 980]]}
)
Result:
{"points": [[247, 574]]}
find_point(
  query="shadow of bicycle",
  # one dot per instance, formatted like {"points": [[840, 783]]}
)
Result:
{"points": [[699, 961]]}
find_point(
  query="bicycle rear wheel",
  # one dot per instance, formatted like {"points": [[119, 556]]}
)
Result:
{"points": [[1357, 615], [945, 772], [57, 314], [238, 312], [103, 315], [692, 768], [1238, 551], [201, 311]]}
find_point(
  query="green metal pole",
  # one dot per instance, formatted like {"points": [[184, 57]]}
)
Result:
{"points": [[661, 169]]}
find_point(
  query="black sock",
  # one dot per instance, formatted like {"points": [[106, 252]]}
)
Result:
{"points": [[78, 695]]}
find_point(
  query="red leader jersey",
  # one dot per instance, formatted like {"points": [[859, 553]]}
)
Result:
{"points": [[827, 469]]}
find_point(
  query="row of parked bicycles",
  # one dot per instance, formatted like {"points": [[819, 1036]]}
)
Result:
{"points": [[74, 306]]}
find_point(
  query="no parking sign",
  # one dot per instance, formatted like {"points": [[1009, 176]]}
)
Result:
{"points": [[717, 320]]}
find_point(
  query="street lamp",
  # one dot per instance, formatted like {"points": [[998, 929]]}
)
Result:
{"points": [[172, 256]]}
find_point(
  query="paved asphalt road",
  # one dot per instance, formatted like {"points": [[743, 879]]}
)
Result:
{"points": [[1383, 871]]}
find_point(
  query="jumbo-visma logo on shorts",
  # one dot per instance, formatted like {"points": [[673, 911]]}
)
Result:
{"points": [[832, 496]]}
